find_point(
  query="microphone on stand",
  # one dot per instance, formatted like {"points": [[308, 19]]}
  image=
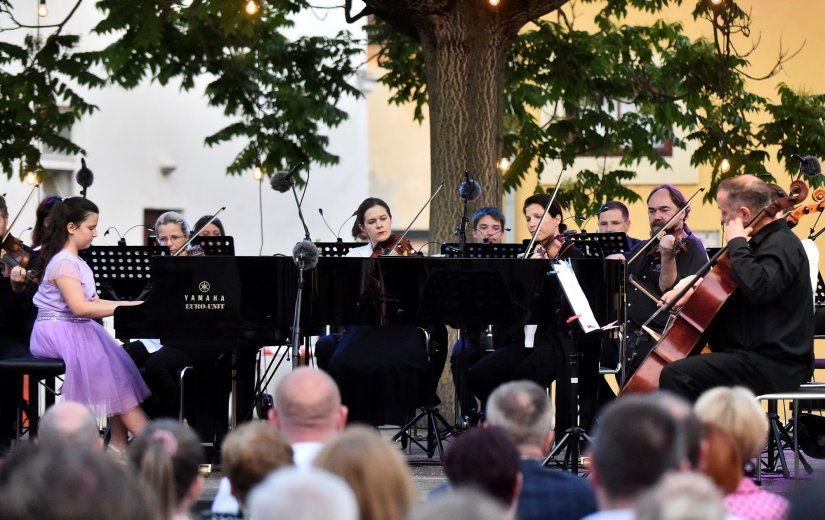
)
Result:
{"points": [[302, 253], [809, 165], [354, 213], [337, 236], [121, 241], [470, 189], [486, 240], [283, 181], [84, 177]]}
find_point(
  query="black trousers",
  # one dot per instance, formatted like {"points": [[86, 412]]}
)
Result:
{"points": [[11, 391], [692, 376]]}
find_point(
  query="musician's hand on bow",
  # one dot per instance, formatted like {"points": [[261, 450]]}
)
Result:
{"points": [[539, 252], [734, 229], [17, 278], [615, 256], [684, 282]]}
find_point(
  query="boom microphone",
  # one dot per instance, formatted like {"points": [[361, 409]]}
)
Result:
{"points": [[84, 177], [809, 165], [470, 189], [283, 181]]}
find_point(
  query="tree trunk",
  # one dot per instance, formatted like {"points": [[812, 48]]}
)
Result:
{"points": [[464, 54]]}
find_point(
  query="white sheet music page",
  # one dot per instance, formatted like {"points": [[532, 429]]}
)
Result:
{"points": [[578, 301]]}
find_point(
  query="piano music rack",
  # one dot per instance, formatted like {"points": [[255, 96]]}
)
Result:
{"points": [[475, 250], [121, 272]]}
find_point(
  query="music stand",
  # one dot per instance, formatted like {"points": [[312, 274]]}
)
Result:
{"points": [[481, 250], [599, 245], [336, 248], [216, 246], [122, 272]]}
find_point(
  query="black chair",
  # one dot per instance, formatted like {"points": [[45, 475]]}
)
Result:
{"points": [[41, 371]]}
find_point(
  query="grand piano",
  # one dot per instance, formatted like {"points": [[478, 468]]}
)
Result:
{"points": [[198, 301]]}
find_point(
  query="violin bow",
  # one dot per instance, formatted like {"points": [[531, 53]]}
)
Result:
{"points": [[19, 212], [198, 232], [404, 234], [662, 231], [526, 253]]}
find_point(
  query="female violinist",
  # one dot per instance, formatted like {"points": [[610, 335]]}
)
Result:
{"points": [[378, 367], [542, 353]]}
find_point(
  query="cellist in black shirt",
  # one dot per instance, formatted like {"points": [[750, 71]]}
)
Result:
{"points": [[762, 338]]}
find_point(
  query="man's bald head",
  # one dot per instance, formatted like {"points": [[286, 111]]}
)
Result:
{"points": [[68, 422], [308, 406]]}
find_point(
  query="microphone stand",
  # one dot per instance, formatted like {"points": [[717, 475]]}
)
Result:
{"points": [[305, 255], [461, 230]]}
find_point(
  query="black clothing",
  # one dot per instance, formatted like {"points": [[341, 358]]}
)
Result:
{"points": [[646, 271], [762, 337], [547, 361]]}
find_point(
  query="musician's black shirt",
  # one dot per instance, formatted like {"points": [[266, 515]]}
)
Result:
{"points": [[771, 311], [647, 270]]}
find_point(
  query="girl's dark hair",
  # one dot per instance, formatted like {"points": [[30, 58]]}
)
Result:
{"points": [[542, 199], [73, 210], [167, 455], [362, 210], [43, 220], [204, 219]]}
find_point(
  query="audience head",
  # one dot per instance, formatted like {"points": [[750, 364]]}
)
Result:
{"points": [[722, 461], [689, 425], [461, 504], [69, 423], [50, 482], [637, 441], [302, 494], [485, 458], [250, 453], [614, 217], [167, 455], [488, 225], [682, 496], [308, 406], [42, 220], [735, 411], [523, 410], [214, 229], [373, 469]]}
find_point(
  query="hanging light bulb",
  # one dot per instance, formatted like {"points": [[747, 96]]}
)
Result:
{"points": [[717, 2], [42, 10], [258, 172], [502, 164], [31, 178], [724, 167], [494, 3], [252, 8]]}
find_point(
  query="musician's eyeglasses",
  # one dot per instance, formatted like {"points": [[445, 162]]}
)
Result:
{"points": [[172, 238]]}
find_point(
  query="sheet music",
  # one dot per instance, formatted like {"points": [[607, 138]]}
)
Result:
{"points": [[575, 295]]}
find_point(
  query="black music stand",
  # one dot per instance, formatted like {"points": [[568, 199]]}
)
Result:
{"points": [[216, 246], [599, 245], [122, 272], [476, 250], [336, 248]]}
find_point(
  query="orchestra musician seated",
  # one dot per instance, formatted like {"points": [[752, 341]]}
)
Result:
{"points": [[542, 353]]}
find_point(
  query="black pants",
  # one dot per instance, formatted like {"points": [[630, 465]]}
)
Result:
{"points": [[692, 376], [11, 391]]}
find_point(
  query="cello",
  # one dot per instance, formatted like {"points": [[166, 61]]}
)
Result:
{"points": [[685, 337]]}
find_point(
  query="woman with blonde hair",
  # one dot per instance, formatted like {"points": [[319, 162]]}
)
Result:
{"points": [[735, 426], [374, 470]]}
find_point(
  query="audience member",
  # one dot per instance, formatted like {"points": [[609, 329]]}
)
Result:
{"points": [[166, 457], [485, 458], [523, 411], [72, 423], [302, 494], [248, 455], [374, 470], [735, 412], [461, 504], [308, 411], [50, 482], [637, 442], [682, 496]]}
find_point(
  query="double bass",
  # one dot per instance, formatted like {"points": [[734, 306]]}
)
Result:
{"points": [[685, 336]]}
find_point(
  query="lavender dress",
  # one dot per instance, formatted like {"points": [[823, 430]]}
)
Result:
{"points": [[99, 372]]}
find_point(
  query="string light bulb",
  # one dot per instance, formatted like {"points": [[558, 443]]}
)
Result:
{"points": [[494, 3], [724, 167], [252, 8], [717, 2], [42, 10], [258, 172], [31, 178], [502, 164]]}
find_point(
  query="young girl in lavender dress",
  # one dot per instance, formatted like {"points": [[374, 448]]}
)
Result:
{"points": [[99, 373]]}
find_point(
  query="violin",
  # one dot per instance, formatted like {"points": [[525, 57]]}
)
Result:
{"points": [[553, 247], [680, 244], [13, 254], [801, 211], [395, 247]]}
